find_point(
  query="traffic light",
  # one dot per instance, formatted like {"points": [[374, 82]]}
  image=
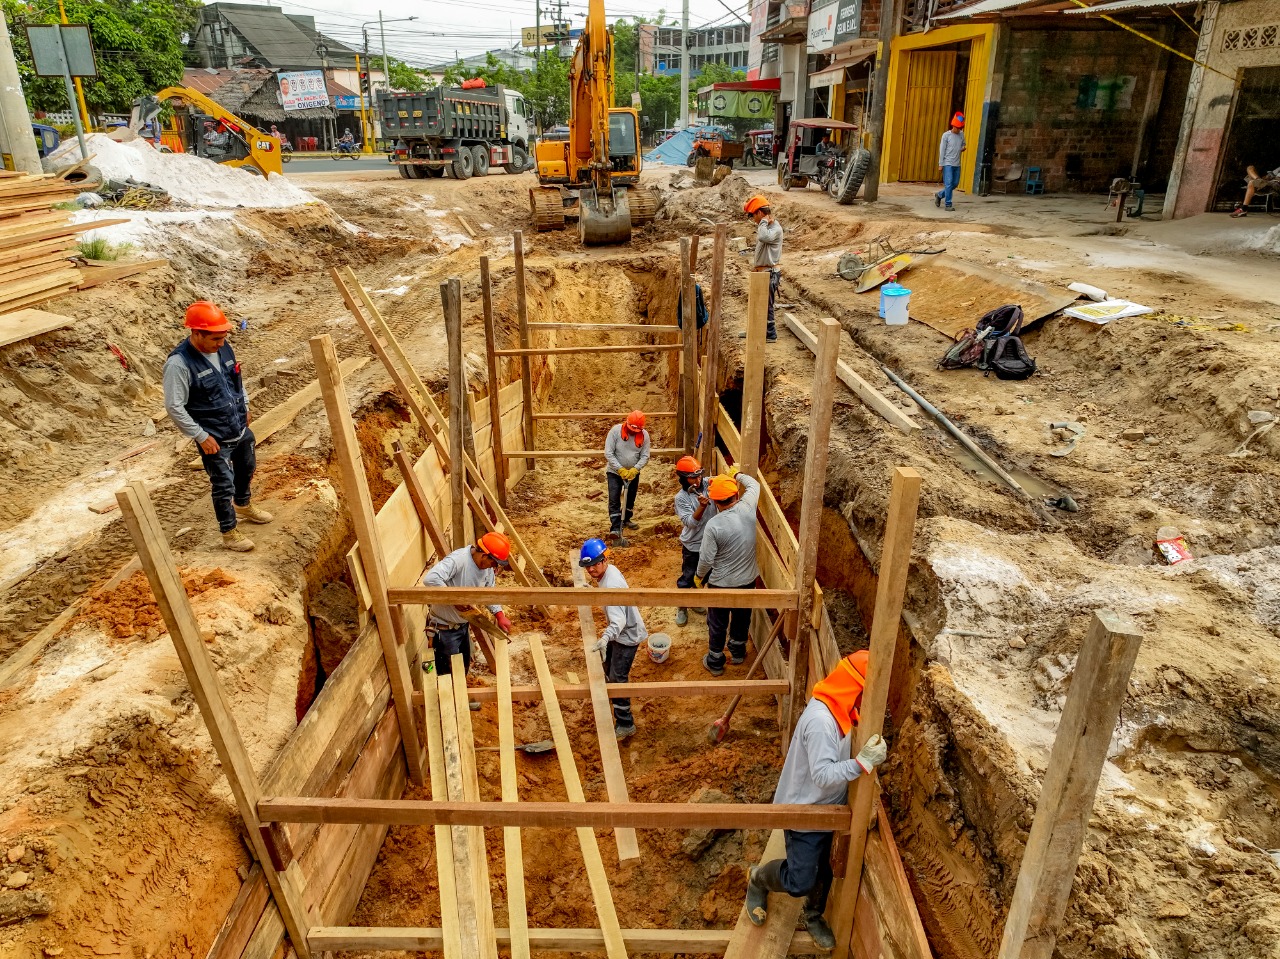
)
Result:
{"points": [[365, 88]]}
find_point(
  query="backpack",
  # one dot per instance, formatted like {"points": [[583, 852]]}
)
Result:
{"points": [[700, 307], [1002, 321], [965, 352], [1007, 358]]}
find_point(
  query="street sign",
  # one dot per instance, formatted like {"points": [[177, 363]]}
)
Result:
{"points": [[551, 34], [47, 50]]}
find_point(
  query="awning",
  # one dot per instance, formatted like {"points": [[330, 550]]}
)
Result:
{"points": [[985, 6], [1117, 5], [791, 30], [826, 78]]}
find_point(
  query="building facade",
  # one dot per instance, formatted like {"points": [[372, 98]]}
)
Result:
{"points": [[660, 48]]}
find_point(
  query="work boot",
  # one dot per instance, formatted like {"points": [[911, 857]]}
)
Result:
{"points": [[253, 514], [682, 616], [631, 524], [700, 610], [737, 660], [822, 935], [937, 199], [713, 670], [950, 208], [624, 732], [236, 541], [616, 532], [762, 880]]}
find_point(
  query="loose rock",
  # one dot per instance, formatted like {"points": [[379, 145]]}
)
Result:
{"points": [[16, 853], [17, 906], [19, 880], [1017, 643]]}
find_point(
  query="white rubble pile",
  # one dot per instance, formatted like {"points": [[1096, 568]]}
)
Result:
{"points": [[187, 178]]}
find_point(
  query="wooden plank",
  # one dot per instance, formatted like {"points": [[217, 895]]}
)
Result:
{"points": [[863, 390], [24, 324], [685, 689], [753, 373], [689, 345], [768, 511], [1098, 688], [615, 948], [95, 275], [895, 562], [571, 596], [243, 917], [477, 847], [615, 779], [526, 373], [609, 327], [608, 348], [572, 941], [463, 863], [888, 888], [668, 452], [267, 935], [22, 238], [31, 650], [451, 297], [772, 938], [711, 365], [450, 909], [517, 911], [495, 396], [615, 415]]}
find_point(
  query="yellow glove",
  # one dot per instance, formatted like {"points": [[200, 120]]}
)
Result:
{"points": [[629, 473], [733, 470], [698, 583]]}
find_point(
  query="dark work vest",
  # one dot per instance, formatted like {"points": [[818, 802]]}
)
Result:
{"points": [[216, 398]]}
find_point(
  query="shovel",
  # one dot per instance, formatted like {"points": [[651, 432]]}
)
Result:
{"points": [[531, 749], [720, 728]]}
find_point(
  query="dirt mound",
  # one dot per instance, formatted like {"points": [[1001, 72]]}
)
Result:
{"points": [[130, 609], [687, 206]]}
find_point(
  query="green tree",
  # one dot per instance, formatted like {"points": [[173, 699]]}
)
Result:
{"points": [[140, 45], [546, 89], [716, 72], [405, 77]]}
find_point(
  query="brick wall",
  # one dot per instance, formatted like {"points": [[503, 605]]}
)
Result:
{"points": [[870, 18]]}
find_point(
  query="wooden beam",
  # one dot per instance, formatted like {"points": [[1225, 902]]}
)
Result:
{"points": [[582, 454], [895, 562], [517, 911], [243, 917], [609, 327], [572, 941], [689, 360], [753, 372], [596, 877], [570, 596], [175, 609], [450, 908], [389, 620], [615, 780], [526, 373], [772, 938], [500, 471], [812, 492], [471, 793], [863, 390], [426, 515], [615, 415], [463, 862], [686, 689], [451, 297], [610, 348], [711, 365], [1098, 687]]}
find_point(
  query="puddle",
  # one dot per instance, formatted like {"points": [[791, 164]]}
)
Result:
{"points": [[1038, 487]]}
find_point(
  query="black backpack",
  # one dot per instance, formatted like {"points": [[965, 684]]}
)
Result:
{"points": [[1002, 321], [1007, 358]]}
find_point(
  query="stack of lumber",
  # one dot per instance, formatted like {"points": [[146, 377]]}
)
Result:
{"points": [[37, 241]]}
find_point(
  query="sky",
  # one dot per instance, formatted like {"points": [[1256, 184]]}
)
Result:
{"points": [[444, 28]]}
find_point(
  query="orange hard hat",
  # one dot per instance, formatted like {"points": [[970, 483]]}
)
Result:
{"points": [[722, 488], [841, 690], [635, 421], [496, 546], [958, 120], [755, 203], [203, 315], [687, 464]]}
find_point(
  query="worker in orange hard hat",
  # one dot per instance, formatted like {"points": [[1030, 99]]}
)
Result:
{"points": [[817, 771], [768, 253], [626, 451], [474, 565], [205, 397], [950, 147], [693, 508], [727, 560]]}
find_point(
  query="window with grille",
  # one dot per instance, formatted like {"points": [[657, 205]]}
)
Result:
{"points": [[1252, 38]]}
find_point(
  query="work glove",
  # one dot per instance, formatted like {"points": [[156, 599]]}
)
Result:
{"points": [[503, 621], [873, 753], [628, 473], [600, 646], [698, 582], [733, 471]]}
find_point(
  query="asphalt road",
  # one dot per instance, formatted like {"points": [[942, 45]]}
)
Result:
{"points": [[324, 164]]}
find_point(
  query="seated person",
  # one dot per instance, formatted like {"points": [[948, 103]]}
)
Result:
{"points": [[216, 138], [1258, 184]]}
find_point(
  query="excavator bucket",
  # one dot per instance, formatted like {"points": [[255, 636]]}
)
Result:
{"points": [[603, 220]]}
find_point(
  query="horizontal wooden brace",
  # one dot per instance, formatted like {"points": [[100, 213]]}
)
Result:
{"points": [[664, 941], [615, 415], [628, 348], [590, 596], [619, 327], [672, 690], [556, 815], [581, 454]]}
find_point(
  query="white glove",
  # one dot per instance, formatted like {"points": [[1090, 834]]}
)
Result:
{"points": [[600, 646], [873, 753]]}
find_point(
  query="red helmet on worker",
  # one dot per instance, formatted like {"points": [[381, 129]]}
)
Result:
{"points": [[757, 202], [203, 315], [722, 488], [688, 466], [957, 121], [496, 546], [635, 421]]}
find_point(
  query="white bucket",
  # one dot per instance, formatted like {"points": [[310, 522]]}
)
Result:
{"points": [[896, 304], [883, 291], [659, 647]]}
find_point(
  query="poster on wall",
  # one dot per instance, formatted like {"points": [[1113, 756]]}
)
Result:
{"points": [[822, 25], [303, 90], [755, 49], [848, 20], [740, 105]]}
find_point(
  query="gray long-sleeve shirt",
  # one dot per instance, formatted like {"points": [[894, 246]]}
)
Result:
{"points": [[691, 526], [728, 556], [624, 454], [819, 767], [768, 243], [177, 390], [625, 627], [949, 148], [457, 569]]}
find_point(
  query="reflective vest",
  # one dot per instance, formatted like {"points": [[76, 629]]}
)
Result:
{"points": [[216, 398]]}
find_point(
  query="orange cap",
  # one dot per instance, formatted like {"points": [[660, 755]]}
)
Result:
{"points": [[635, 421], [722, 488], [755, 203], [496, 546], [203, 315], [841, 690], [687, 464]]}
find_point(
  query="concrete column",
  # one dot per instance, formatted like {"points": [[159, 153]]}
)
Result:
{"points": [[997, 60], [1187, 130], [14, 118]]}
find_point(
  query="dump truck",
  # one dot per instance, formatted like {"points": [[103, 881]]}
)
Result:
{"points": [[464, 131]]}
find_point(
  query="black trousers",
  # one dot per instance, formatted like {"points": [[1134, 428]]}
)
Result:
{"points": [[448, 641], [735, 622], [616, 515], [688, 568], [230, 473], [807, 871], [617, 669], [775, 281]]}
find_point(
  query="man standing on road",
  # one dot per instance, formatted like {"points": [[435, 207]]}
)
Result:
{"points": [[768, 256], [468, 566], [205, 397], [728, 561], [693, 508], [949, 150], [817, 771], [626, 451], [621, 637]]}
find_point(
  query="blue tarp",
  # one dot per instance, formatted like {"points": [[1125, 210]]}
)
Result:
{"points": [[676, 150]]}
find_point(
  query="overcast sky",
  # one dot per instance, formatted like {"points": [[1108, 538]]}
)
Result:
{"points": [[464, 27]]}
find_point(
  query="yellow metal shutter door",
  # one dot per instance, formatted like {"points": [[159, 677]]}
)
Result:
{"points": [[929, 81]]}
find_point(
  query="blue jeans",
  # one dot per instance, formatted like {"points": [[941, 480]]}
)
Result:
{"points": [[448, 640], [775, 281], [617, 669], [735, 623], [230, 472], [950, 180]]}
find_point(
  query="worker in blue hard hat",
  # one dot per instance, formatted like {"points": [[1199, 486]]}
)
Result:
{"points": [[622, 635]]}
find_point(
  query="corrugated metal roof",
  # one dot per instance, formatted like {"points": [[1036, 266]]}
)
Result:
{"points": [[1129, 5], [276, 38], [986, 6]]}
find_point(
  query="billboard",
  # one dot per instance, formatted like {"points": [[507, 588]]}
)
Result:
{"points": [[740, 104], [303, 90], [848, 21]]}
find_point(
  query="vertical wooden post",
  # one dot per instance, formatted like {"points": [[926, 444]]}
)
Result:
{"points": [[689, 337], [451, 298], [1098, 688], [753, 372], [517, 913], [895, 561], [390, 623], [162, 573], [495, 383], [522, 317], [822, 396], [711, 365]]}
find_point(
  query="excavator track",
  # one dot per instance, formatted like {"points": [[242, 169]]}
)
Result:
{"points": [[644, 206], [548, 209]]}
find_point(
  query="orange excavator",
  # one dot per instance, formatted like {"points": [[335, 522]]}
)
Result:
{"points": [[594, 175]]}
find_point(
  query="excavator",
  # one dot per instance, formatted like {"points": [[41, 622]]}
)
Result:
{"points": [[593, 175], [199, 125]]}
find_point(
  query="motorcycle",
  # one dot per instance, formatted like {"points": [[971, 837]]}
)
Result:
{"points": [[286, 151], [350, 151]]}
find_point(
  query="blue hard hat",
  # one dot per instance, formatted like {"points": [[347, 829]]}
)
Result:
{"points": [[593, 550]]}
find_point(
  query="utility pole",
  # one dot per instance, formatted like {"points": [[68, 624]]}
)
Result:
{"points": [[13, 109], [537, 26], [684, 68], [386, 64], [889, 20]]}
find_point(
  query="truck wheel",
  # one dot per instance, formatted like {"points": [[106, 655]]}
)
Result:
{"points": [[851, 183], [433, 172], [480, 160], [406, 172], [519, 160], [464, 165], [691, 159]]}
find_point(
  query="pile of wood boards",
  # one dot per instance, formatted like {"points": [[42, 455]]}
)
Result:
{"points": [[36, 240]]}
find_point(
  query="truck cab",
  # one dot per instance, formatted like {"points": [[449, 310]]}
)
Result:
{"points": [[517, 119]]}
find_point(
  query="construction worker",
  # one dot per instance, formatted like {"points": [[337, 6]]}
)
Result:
{"points": [[205, 397], [468, 566], [626, 451], [949, 149], [621, 637], [694, 508], [768, 254], [817, 771], [727, 560]]}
